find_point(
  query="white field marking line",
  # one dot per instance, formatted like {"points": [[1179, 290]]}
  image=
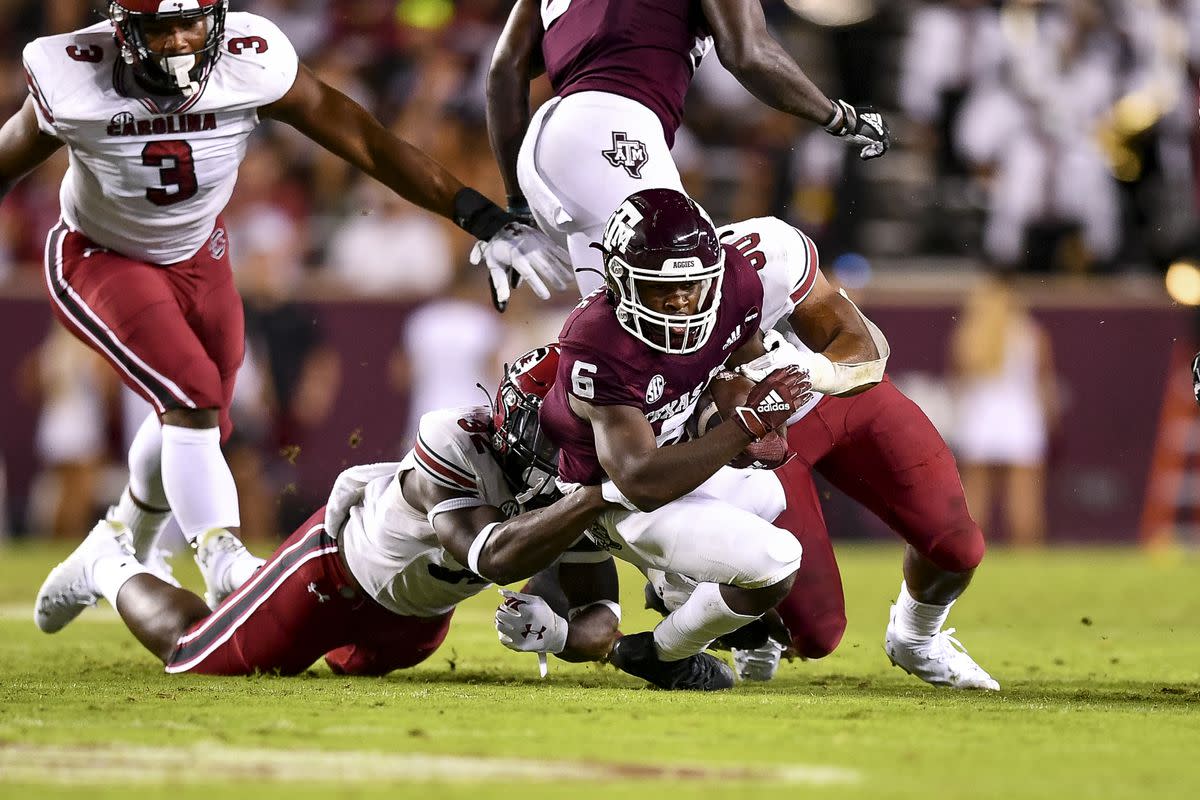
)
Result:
{"points": [[83, 765], [23, 612]]}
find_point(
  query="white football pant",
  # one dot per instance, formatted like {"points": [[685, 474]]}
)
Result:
{"points": [[573, 187]]}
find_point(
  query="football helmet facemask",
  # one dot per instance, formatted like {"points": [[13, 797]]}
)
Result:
{"points": [[526, 455], [158, 72], [662, 236]]}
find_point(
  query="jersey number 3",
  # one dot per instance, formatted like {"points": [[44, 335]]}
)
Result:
{"points": [[177, 171]]}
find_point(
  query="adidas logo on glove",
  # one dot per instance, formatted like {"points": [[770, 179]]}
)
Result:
{"points": [[772, 402]]}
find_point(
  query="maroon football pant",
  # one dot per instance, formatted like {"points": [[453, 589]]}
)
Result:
{"points": [[302, 604], [175, 334], [880, 449]]}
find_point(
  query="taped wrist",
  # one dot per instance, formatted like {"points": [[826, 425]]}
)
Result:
{"points": [[479, 216], [843, 120], [615, 608], [481, 539]]}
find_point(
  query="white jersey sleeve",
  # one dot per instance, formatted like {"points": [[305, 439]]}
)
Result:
{"points": [[58, 68], [786, 261], [451, 449], [266, 60]]}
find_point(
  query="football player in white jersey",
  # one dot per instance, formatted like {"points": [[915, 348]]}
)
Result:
{"points": [[155, 106], [372, 579], [879, 448]]}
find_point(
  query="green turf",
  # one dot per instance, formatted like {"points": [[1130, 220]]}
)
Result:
{"points": [[1098, 652]]}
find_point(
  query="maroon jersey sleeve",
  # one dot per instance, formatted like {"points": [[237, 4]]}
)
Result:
{"points": [[590, 376]]}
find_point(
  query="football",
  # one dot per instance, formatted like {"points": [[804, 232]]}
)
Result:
{"points": [[717, 404]]}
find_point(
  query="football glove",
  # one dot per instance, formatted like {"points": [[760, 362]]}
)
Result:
{"points": [[773, 400], [520, 252], [862, 127], [1196, 377], [527, 624]]}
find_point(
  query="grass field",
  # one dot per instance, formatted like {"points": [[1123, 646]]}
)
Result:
{"points": [[1098, 652]]}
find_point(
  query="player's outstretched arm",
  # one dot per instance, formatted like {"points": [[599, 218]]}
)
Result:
{"points": [[492, 547], [22, 146], [346, 129], [849, 352], [760, 63], [342, 126], [515, 62]]}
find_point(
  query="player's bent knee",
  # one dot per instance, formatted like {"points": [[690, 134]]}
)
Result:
{"points": [[774, 563], [820, 638], [960, 550]]}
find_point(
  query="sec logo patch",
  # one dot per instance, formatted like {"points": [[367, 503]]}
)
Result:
{"points": [[654, 391]]}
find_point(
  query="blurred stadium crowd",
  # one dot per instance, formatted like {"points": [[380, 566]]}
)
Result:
{"points": [[1030, 135]]}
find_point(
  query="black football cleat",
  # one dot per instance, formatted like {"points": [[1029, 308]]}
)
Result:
{"points": [[636, 655]]}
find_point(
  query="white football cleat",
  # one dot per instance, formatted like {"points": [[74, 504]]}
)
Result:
{"points": [[759, 664], [69, 589], [217, 552], [940, 660], [160, 568]]}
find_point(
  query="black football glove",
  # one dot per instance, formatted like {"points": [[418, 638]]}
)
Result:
{"points": [[1196, 377], [860, 126]]}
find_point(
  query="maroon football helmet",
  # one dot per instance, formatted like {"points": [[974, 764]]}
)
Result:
{"points": [[661, 235], [161, 73], [526, 455]]}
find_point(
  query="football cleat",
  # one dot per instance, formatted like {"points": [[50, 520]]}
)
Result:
{"points": [[758, 664], [160, 568], [940, 660], [69, 588], [217, 551], [637, 655]]}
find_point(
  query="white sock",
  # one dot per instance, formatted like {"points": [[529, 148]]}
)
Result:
{"points": [[145, 526], [145, 464], [918, 620], [693, 626], [110, 573], [198, 483]]}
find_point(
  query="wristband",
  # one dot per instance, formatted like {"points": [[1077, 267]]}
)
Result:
{"points": [[454, 504], [612, 606], [479, 216], [477, 548]]}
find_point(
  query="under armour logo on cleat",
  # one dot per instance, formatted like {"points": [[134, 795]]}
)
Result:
{"points": [[321, 598]]}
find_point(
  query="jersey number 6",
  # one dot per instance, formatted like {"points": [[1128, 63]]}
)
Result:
{"points": [[174, 158], [582, 383]]}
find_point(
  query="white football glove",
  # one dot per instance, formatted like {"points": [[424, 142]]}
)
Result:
{"points": [[527, 624], [530, 254]]}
